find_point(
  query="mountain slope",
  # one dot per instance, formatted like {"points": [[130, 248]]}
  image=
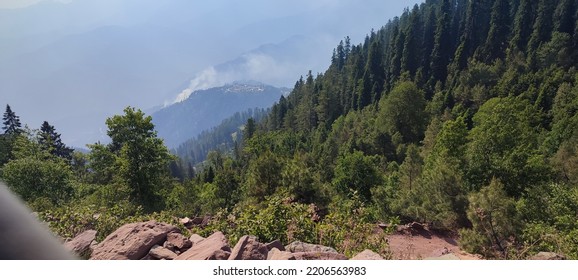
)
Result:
{"points": [[204, 109]]}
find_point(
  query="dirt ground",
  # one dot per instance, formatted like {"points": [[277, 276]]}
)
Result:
{"points": [[423, 244]]}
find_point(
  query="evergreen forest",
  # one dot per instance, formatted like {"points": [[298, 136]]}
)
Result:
{"points": [[461, 115]]}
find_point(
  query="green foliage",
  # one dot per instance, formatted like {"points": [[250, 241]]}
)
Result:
{"points": [[34, 173], [264, 176], [135, 157], [274, 219], [350, 228], [50, 141], [550, 215], [70, 220], [32, 178], [355, 173], [403, 112], [504, 145], [300, 181], [495, 221]]}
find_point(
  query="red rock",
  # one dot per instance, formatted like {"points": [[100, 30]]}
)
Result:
{"points": [[275, 244], [132, 241], [160, 252], [367, 255], [214, 247], [179, 241], [248, 248], [81, 244], [195, 238], [276, 254]]}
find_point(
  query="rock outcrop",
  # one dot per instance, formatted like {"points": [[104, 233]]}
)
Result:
{"points": [[132, 241], [162, 253], [298, 247], [178, 241], [276, 254], [81, 244], [367, 255], [249, 248], [214, 247]]}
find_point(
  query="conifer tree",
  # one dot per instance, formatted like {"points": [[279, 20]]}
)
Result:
{"points": [[499, 31], [11, 122], [442, 44], [50, 141], [522, 26]]}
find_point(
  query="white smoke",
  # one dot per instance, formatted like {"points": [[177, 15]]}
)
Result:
{"points": [[252, 66], [277, 65], [206, 79]]}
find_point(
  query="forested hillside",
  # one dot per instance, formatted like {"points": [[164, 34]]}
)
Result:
{"points": [[458, 114], [223, 138]]}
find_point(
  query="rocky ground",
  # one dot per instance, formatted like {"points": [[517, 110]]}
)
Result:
{"points": [[158, 241], [415, 242]]}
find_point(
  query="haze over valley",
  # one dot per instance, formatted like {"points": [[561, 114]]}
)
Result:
{"points": [[75, 63]]}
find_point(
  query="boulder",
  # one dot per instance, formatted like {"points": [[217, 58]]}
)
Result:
{"points": [[132, 241], [195, 238], [547, 256], [276, 254], [248, 248], [81, 244], [160, 252], [214, 247], [298, 246], [187, 222], [275, 244], [367, 255], [319, 256], [179, 241]]}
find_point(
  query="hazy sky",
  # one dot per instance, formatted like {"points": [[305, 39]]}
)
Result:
{"points": [[75, 62]]}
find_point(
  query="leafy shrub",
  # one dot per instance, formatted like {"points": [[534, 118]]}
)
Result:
{"points": [[350, 228], [276, 218]]}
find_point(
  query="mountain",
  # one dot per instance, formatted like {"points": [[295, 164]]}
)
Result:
{"points": [[74, 63], [222, 137], [458, 117], [206, 108]]}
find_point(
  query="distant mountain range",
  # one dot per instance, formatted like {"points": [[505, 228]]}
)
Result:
{"points": [[204, 109]]}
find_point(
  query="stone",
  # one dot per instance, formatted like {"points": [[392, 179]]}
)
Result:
{"points": [[312, 255], [187, 222], [179, 241], [195, 238], [278, 255], [160, 252], [81, 244], [132, 241], [547, 256], [298, 246], [367, 255], [249, 248], [214, 247], [275, 244]]}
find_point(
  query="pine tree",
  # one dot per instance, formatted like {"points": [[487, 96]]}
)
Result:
{"points": [[11, 122], [499, 30], [442, 46], [522, 26], [564, 16], [542, 25], [50, 141], [411, 50]]}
